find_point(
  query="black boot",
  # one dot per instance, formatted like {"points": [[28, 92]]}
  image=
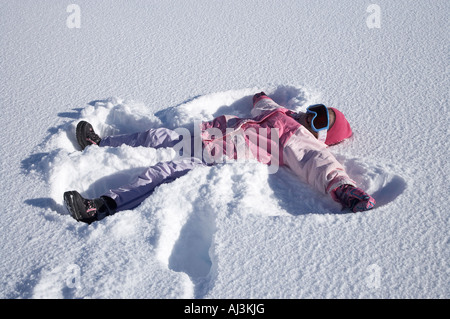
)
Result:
{"points": [[86, 135], [88, 210]]}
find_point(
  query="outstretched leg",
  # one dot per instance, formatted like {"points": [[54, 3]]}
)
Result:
{"points": [[131, 195], [128, 196], [154, 137]]}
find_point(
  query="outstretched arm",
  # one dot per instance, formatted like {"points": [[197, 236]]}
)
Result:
{"points": [[313, 163], [261, 103]]}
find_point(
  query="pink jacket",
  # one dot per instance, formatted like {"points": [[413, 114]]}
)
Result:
{"points": [[275, 138]]}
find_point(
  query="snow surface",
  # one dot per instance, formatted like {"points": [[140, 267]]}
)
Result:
{"points": [[232, 230]]}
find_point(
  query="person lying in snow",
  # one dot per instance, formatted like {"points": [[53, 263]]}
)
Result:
{"points": [[273, 135]]}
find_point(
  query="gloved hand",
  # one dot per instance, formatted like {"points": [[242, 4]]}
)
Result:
{"points": [[257, 96], [353, 197]]}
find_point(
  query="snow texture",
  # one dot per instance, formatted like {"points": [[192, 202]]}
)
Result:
{"points": [[231, 230]]}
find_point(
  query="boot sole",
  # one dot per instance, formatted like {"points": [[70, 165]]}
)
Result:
{"points": [[73, 200], [81, 138]]}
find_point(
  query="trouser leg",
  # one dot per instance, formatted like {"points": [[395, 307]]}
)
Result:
{"points": [[131, 195], [155, 138]]}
